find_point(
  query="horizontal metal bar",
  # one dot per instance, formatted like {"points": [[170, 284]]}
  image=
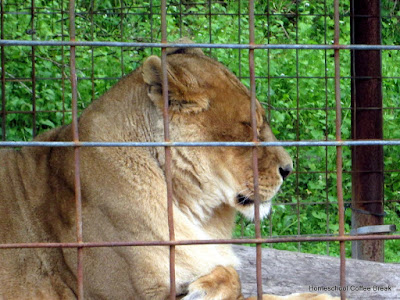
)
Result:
{"points": [[201, 242], [29, 79], [111, 11], [201, 45], [203, 144], [262, 102], [8, 112]]}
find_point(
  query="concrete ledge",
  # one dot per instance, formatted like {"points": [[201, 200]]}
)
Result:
{"points": [[286, 272]]}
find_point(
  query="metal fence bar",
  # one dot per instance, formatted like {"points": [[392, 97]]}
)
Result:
{"points": [[209, 25], [151, 23], [255, 151], [63, 75], [33, 70], [102, 11], [203, 144], [92, 71], [339, 153], [122, 16], [268, 77], [3, 77], [273, 240], [167, 144], [327, 203], [199, 45], [75, 134], [297, 160], [8, 112], [29, 79], [168, 158]]}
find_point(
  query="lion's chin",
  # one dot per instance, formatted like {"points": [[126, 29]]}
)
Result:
{"points": [[248, 210]]}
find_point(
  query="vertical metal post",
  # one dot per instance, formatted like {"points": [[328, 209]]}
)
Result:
{"points": [[122, 37], [62, 64], [168, 159], [239, 15], [75, 134], [367, 120], [339, 152], [209, 25], [33, 73], [255, 151], [327, 187], [3, 78], [297, 160], [269, 84], [151, 24], [180, 19], [92, 48]]}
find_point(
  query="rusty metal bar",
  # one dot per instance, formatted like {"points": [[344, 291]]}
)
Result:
{"points": [[3, 77], [297, 109], [91, 12], [80, 245], [23, 79], [367, 123], [202, 144], [103, 11], [168, 159], [33, 71], [122, 15], [209, 25], [180, 19], [199, 45], [339, 153], [274, 108], [151, 23], [273, 240], [62, 65], [327, 203], [255, 151], [239, 39], [269, 101], [75, 134], [268, 77]]}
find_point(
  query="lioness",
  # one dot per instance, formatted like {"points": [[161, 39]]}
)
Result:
{"points": [[124, 189]]}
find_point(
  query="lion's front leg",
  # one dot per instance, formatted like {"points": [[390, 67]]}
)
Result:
{"points": [[222, 283]]}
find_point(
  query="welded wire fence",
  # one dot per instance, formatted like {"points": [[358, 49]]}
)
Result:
{"points": [[295, 56]]}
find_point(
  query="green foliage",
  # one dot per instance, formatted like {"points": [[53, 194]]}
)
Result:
{"points": [[295, 86]]}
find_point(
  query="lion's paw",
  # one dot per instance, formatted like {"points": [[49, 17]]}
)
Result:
{"points": [[222, 283]]}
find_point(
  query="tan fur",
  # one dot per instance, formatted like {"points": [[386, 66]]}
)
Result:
{"points": [[124, 190]]}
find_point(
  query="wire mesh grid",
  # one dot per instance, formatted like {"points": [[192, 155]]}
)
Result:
{"points": [[74, 67]]}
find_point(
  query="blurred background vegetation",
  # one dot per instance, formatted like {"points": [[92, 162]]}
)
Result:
{"points": [[296, 86]]}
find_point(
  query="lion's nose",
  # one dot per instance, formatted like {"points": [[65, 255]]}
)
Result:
{"points": [[285, 171]]}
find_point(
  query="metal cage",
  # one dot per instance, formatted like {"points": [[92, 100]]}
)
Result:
{"points": [[247, 44]]}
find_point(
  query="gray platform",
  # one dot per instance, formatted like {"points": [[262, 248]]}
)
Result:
{"points": [[285, 272]]}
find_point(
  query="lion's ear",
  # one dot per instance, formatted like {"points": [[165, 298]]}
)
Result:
{"points": [[184, 91], [152, 71]]}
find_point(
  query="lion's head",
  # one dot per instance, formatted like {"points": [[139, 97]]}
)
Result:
{"points": [[207, 102]]}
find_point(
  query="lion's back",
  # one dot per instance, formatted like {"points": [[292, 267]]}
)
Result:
{"points": [[24, 177], [24, 189]]}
